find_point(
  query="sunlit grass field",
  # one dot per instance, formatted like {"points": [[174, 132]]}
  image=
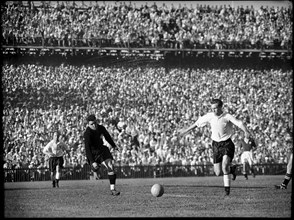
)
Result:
{"points": [[183, 197]]}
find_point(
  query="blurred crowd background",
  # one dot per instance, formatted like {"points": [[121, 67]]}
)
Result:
{"points": [[143, 106], [124, 24]]}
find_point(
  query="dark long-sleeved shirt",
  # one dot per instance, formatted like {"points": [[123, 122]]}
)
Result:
{"points": [[94, 142]]}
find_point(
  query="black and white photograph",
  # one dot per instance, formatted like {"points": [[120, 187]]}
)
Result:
{"points": [[147, 109]]}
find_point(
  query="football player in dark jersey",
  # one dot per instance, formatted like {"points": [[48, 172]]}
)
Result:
{"points": [[247, 145], [97, 153]]}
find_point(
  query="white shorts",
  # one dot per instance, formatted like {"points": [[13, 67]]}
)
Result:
{"points": [[247, 157]]}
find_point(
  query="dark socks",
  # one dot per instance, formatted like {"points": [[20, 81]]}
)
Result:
{"points": [[227, 190], [112, 178], [287, 179]]}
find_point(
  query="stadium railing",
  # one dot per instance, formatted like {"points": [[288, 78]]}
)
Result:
{"points": [[102, 48], [137, 171], [97, 43]]}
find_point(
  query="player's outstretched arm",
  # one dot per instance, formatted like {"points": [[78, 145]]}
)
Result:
{"points": [[185, 131], [241, 125], [245, 130]]}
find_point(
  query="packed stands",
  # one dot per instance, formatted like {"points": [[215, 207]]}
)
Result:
{"points": [[143, 100]]}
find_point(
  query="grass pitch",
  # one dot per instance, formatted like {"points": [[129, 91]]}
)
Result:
{"points": [[183, 197]]}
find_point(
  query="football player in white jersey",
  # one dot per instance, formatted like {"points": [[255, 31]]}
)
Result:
{"points": [[55, 150], [223, 147]]}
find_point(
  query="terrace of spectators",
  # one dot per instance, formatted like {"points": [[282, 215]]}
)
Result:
{"points": [[37, 96], [171, 28]]}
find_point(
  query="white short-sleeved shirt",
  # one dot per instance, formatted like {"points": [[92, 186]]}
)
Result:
{"points": [[221, 126], [57, 149]]}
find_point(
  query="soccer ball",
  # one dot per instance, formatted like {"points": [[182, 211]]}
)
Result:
{"points": [[157, 190]]}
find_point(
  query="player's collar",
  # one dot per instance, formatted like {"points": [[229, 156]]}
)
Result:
{"points": [[221, 115]]}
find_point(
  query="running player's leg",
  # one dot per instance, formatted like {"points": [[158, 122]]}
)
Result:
{"points": [[96, 170], [288, 175], [243, 161], [53, 178], [289, 166], [230, 152], [57, 175], [52, 170], [59, 166], [250, 163], [108, 163], [217, 168], [226, 170], [217, 159], [245, 164]]}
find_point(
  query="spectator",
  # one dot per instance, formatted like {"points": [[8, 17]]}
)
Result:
{"points": [[161, 98], [154, 25]]}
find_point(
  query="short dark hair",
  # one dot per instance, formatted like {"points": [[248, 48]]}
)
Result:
{"points": [[91, 118], [57, 132], [218, 102]]}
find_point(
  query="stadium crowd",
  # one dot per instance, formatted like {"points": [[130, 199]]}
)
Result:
{"points": [[126, 25], [142, 107]]}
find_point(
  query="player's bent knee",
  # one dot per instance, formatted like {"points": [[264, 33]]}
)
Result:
{"points": [[110, 171]]}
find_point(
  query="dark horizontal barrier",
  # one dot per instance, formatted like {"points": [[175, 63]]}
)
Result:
{"points": [[137, 171]]}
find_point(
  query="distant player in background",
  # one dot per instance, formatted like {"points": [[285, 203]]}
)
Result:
{"points": [[247, 145], [223, 147], [55, 149], [97, 153]]}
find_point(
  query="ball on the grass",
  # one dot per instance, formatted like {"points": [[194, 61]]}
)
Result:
{"points": [[157, 190]]}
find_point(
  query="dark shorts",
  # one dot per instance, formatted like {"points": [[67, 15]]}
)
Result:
{"points": [[102, 155], [54, 161], [223, 148]]}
